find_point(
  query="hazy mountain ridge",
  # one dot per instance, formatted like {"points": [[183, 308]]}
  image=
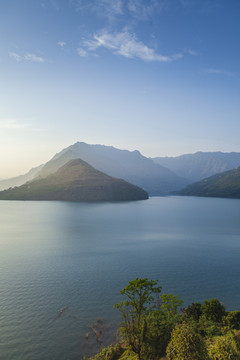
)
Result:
{"points": [[56, 163], [200, 165], [157, 176], [128, 165], [76, 181], [224, 185], [21, 179]]}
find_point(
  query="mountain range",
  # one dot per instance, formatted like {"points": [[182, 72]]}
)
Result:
{"points": [[128, 165], [76, 181], [157, 176], [224, 185], [21, 179], [200, 165]]}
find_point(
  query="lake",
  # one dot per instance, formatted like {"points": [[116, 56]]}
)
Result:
{"points": [[62, 265]]}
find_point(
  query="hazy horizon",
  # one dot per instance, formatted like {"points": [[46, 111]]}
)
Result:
{"points": [[157, 76], [28, 169]]}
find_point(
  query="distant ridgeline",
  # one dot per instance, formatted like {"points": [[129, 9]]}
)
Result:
{"points": [[200, 165], [76, 181], [224, 185], [122, 164], [157, 176]]}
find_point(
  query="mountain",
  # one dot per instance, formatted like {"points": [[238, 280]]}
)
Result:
{"points": [[21, 179], [128, 165], [76, 181], [225, 185], [200, 165]]}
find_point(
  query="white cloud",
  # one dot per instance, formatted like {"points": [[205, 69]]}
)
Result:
{"points": [[26, 57], [12, 124], [82, 52], [126, 44], [62, 43], [112, 7], [192, 52], [15, 56], [143, 10], [106, 8], [218, 72], [33, 57]]}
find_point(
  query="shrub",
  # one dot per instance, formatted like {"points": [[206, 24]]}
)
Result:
{"points": [[186, 344], [213, 310], [112, 352], [224, 348], [232, 320], [194, 311]]}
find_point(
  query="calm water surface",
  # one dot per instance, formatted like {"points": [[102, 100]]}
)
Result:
{"points": [[56, 255]]}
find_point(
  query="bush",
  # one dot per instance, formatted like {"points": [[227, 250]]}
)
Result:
{"points": [[232, 320], [224, 348], [213, 310], [186, 344], [112, 352], [209, 328], [159, 333], [194, 311]]}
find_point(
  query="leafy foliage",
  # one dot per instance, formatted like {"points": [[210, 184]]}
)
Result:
{"points": [[213, 310], [134, 311], [194, 311], [232, 320], [152, 327], [112, 352], [186, 344], [225, 348]]}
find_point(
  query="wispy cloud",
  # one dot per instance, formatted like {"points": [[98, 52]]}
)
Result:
{"points": [[62, 44], [13, 124], [105, 8], [15, 56], [143, 10], [82, 52], [126, 44], [139, 9], [26, 57], [33, 57], [192, 52], [218, 72]]}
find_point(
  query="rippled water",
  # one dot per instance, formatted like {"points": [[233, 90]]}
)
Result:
{"points": [[76, 257]]}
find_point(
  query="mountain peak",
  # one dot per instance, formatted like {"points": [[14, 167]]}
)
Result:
{"points": [[76, 181]]}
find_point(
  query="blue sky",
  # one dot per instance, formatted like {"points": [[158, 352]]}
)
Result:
{"points": [[160, 76]]}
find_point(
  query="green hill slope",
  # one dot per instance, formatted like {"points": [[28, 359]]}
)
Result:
{"points": [[76, 181], [21, 179], [225, 185], [128, 165]]}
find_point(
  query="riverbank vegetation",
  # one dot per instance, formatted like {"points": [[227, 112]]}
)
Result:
{"points": [[155, 327]]}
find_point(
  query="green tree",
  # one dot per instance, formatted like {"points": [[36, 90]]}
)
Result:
{"points": [[224, 348], [134, 311], [170, 304], [161, 322], [232, 320], [186, 344], [194, 311], [112, 352], [159, 333], [213, 310]]}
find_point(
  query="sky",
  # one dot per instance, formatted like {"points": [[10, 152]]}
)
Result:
{"points": [[159, 76]]}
